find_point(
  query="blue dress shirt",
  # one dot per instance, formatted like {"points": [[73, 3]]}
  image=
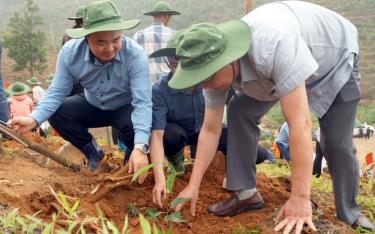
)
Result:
{"points": [[183, 107], [108, 86]]}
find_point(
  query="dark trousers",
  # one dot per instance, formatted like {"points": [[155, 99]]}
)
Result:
{"points": [[175, 139], [317, 166], [76, 115], [4, 110]]}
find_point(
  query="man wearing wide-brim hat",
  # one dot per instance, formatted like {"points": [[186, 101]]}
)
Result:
{"points": [[78, 22], [37, 90], [113, 71], [300, 54], [156, 36]]}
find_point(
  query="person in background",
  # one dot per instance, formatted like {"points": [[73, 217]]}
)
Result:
{"points": [[114, 73], [37, 90], [318, 160], [20, 104], [282, 141], [78, 22], [3, 97], [155, 37]]}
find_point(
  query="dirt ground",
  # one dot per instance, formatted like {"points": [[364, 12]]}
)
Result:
{"points": [[26, 179]]}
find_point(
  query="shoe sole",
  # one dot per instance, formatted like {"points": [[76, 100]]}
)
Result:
{"points": [[236, 212]]}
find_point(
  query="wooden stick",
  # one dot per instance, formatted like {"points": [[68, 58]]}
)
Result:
{"points": [[40, 149]]}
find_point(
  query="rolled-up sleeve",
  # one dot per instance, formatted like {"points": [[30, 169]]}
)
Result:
{"points": [[59, 89], [141, 93], [159, 109], [214, 98]]}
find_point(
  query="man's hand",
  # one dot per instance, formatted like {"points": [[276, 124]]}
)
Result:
{"points": [[137, 160], [191, 192], [295, 212], [22, 124], [159, 192]]}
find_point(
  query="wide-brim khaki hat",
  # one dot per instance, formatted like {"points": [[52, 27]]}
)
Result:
{"points": [[206, 48], [101, 16]]}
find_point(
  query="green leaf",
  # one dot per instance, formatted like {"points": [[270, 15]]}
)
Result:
{"points": [[74, 208], [155, 229], [132, 210], [179, 200], [175, 217], [142, 171], [153, 213], [47, 229], [112, 227], [170, 179], [145, 224], [125, 225]]}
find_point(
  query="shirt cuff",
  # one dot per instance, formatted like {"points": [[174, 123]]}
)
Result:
{"points": [[141, 138], [38, 117]]}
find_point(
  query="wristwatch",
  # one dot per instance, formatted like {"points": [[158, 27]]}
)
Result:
{"points": [[142, 147]]}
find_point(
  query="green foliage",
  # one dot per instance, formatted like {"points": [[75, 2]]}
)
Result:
{"points": [[132, 210], [142, 171], [171, 178], [145, 224], [240, 229], [366, 113], [179, 200], [24, 42], [153, 213], [174, 217]]}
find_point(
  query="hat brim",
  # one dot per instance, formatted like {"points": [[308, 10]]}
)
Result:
{"points": [[34, 83], [152, 13], [75, 18], [239, 41], [81, 32], [164, 52]]}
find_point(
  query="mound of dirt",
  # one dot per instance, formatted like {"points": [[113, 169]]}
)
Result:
{"points": [[26, 183]]}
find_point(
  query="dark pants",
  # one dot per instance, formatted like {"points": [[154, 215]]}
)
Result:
{"points": [[175, 139], [317, 167], [284, 151], [76, 115], [263, 154], [3, 102]]}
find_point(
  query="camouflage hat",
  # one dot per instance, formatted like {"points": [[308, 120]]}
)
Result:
{"points": [[170, 49], [79, 13], [34, 81], [17, 89], [162, 7], [101, 16]]}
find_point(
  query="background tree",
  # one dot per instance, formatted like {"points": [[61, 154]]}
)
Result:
{"points": [[24, 41]]}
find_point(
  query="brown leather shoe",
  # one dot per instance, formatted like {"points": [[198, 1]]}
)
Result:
{"points": [[233, 205], [363, 222]]}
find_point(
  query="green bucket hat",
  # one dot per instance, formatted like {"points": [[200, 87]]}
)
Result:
{"points": [[170, 49], [205, 48], [100, 16], [162, 7], [34, 81], [17, 89], [78, 14], [50, 78]]}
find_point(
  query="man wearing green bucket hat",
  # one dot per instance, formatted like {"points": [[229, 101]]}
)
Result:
{"points": [[78, 22], [156, 36], [301, 54], [37, 90], [113, 71]]}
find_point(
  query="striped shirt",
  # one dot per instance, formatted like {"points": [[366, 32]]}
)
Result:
{"points": [[151, 39]]}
